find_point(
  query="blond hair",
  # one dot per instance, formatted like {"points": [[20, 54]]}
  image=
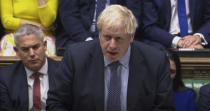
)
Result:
{"points": [[116, 15]]}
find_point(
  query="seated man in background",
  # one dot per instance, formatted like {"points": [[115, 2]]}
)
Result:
{"points": [[177, 23], [24, 84], [204, 98], [77, 19], [114, 73]]}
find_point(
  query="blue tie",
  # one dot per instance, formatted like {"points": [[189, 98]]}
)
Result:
{"points": [[114, 90], [182, 15]]}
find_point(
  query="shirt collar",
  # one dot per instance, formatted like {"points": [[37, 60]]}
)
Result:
{"points": [[124, 60], [42, 71]]}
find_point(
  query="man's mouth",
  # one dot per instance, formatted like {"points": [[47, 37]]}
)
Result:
{"points": [[33, 61], [112, 53]]}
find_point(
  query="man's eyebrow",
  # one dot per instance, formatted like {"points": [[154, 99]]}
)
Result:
{"points": [[31, 46]]}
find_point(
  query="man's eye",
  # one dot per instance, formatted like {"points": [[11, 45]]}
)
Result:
{"points": [[118, 39], [107, 37], [35, 47], [25, 49]]}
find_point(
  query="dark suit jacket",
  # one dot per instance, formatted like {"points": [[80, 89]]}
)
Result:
{"points": [[14, 86], [157, 18], [204, 98], [80, 80], [76, 16]]}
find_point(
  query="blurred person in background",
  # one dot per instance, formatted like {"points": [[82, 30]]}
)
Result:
{"points": [[15, 13], [77, 19], [184, 97], [177, 23], [204, 98]]}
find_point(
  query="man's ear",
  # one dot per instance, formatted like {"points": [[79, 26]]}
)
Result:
{"points": [[16, 50], [132, 37], [45, 44]]}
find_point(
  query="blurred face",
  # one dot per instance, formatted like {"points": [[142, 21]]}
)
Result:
{"points": [[173, 69], [31, 51], [114, 43]]}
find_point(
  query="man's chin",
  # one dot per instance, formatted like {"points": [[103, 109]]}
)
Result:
{"points": [[34, 67], [112, 59]]}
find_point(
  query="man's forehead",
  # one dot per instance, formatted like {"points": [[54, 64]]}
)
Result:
{"points": [[29, 45], [114, 28], [29, 38]]}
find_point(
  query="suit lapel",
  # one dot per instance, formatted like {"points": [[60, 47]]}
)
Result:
{"points": [[97, 71], [51, 70], [192, 11], [22, 88], [168, 12], [137, 71], [50, 66]]}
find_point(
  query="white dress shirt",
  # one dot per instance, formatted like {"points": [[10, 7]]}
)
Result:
{"points": [[124, 69], [174, 25], [44, 85]]}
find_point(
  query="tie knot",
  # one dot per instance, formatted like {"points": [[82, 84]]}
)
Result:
{"points": [[114, 65], [36, 75]]}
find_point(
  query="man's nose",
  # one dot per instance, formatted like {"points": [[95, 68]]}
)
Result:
{"points": [[31, 52], [112, 43]]}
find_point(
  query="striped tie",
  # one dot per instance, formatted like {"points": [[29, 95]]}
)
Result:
{"points": [[114, 90]]}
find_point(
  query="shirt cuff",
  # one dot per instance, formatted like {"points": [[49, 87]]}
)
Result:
{"points": [[89, 39], [203, 40], [175, 41]]}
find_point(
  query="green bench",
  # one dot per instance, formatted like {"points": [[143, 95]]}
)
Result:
{"points": [[195, 84]]}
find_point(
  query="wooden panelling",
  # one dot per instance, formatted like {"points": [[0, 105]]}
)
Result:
{"points": [[6, 60], [191, 67], [195, 67]]}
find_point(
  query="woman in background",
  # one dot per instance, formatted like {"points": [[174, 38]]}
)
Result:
{"points": [[184, 97], [15, 13]]}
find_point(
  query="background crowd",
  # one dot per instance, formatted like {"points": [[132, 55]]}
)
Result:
{"points": [[170, 24]]}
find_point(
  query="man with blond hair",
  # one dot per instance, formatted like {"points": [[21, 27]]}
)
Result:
{"points": [[115, 73]]}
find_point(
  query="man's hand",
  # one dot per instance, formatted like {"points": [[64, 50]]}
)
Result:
{"points": [[180, 43], [190, 41], [198, 46], [41, 2]]}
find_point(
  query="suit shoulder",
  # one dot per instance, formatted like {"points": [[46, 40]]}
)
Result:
{"points": [[82, 48], [11, 66], [52, 61], [8, 71], [147, 50], [83, 45], [205, 89]]}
